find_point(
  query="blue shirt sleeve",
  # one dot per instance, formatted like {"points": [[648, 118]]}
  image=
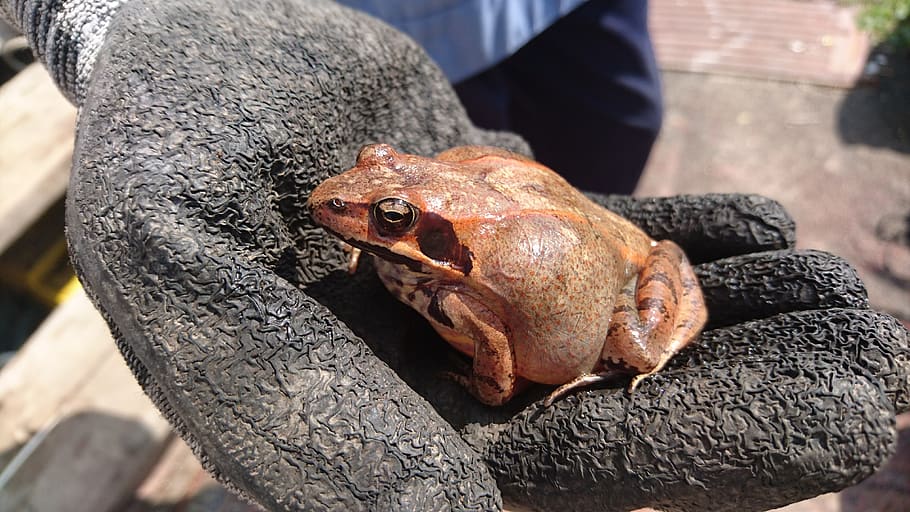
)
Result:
{"points": [[465, 37]]}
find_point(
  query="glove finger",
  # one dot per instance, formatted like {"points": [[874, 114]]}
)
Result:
{"points": [[762, 433], [759, 285], [764, 413], [709, 226], [876, 342]]}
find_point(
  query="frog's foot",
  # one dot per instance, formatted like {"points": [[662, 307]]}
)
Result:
{"points": [[492, 378], [471, 386], [585, 379], [665, 357]]}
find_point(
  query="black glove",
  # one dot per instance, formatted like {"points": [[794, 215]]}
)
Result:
{"points": [[203, 127]]}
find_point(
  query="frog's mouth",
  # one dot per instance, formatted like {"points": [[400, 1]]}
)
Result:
{"points": [[381, 252]]}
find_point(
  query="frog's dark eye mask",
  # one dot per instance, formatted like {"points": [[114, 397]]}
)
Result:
{"points": [[435, 236], [393, 216]]}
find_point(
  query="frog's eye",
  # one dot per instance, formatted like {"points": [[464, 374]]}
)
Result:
{"points": [[394, 216]]}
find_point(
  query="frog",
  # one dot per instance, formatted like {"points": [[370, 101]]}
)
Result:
{"points": [[514, 267]]}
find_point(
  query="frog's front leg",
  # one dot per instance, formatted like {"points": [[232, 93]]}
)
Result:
{"points": [[493, 380], [656, 315]]}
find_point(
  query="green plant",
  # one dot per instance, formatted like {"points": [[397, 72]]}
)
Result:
{"points": [[888, 21]]}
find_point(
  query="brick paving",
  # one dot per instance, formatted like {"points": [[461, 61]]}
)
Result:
{"points": [[805, 41]]}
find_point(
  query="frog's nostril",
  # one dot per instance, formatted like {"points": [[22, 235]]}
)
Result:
{"points": [[336, 203]]}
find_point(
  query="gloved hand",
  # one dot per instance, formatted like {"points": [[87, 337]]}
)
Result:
{"points": [[203, 126]]}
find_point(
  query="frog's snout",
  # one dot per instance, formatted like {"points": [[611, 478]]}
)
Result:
{"points": [[317, 202], [333, 203], [322, 208], [328, 195], [340, 215], [337, 204]]}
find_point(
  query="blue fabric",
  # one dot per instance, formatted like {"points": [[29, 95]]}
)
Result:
{"points": [[585, 94], [576, 78], [465, 37]]}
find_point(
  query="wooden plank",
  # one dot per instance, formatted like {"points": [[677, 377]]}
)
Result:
{"points": [[49, 370], [177, 475], [179, 483], [36, 143], [99, 433]]}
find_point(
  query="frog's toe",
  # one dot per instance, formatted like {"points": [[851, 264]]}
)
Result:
{"points": [[585, 379], [353, 258], [638, 380], [665, 358]]}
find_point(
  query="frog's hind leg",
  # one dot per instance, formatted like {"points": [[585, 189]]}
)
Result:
{"points": [[656, 315]]}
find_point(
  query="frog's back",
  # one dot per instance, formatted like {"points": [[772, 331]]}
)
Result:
{"points": [[555, 259], [523, 186]]}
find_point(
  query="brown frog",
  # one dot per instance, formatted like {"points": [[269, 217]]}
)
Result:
{"points": [[514, 267]]}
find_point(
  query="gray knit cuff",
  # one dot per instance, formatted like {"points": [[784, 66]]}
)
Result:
{"points": [[66, 36]]}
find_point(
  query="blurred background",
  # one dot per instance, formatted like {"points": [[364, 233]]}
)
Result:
{"points": [[804, 101]]}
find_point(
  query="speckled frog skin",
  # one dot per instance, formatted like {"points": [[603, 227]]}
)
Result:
{"points": [[514, 267]]}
